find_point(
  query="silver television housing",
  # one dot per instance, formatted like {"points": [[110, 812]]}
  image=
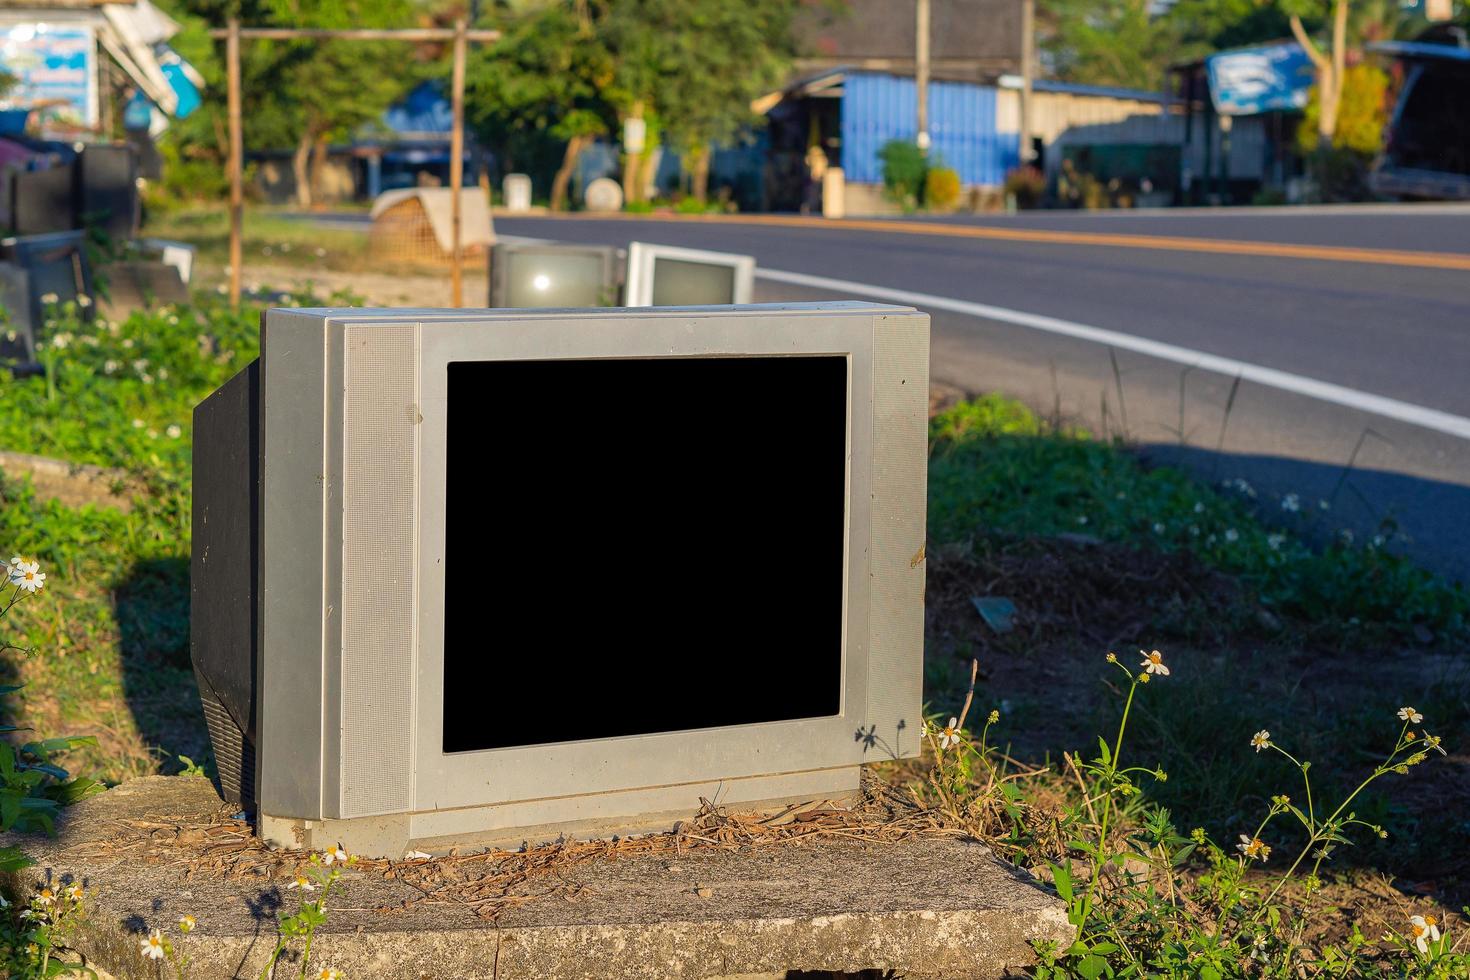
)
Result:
{"points": [[316, 476], [642, 256]]}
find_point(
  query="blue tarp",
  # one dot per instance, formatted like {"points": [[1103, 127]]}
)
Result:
{"points": [[1248, 81], [423, 112]]}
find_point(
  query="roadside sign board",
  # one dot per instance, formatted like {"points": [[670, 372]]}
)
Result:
{"points": [[1248, 81], [53, 63]]}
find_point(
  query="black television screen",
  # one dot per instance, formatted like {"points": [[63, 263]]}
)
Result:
{"points": [[677, 282], [637, 546]]}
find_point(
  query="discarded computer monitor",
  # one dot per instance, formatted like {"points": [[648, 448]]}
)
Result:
{"points": [[107, 189], [41, 201], [140, 284], [17, 330], [666, 275], [56, 272], [463, 576], [552, 276]]}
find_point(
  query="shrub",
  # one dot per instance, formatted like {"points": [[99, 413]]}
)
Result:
{"points": [[1026, 184], [941, 188], [904, 170]]}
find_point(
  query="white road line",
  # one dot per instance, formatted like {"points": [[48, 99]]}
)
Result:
{"points": [[1428, 418]]}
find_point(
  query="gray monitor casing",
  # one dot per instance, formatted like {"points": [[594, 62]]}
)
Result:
{"points": [[318, 584], [500, 267]]}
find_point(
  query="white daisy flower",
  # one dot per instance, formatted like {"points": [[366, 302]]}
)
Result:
{"points": [[1410, 715], [302, 883], [1153, 663], [138, 423], [1253, 848], [1199, 508], [1425, 930], [1261, 740], [949, 736], [1291, 502], [49, 298], [1158, 527], [187, 923], [28, 577], [1275, 541], [327, 973], [45, 898], [1232, 535], [152, 947], [83, 300], [174, 431], [110, 367], [1258, 949], [334, 853]]}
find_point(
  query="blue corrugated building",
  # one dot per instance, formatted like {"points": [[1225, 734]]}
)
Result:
{"points": [[968, 134]]}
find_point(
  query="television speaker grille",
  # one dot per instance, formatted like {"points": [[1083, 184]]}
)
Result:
{"points": [[379, 594]]}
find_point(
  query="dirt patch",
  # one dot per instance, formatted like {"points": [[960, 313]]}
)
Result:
{"points": [[72, 484]]}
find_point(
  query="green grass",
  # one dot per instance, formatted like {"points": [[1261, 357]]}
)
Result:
{"points": [[997, 470], [269, 239]]}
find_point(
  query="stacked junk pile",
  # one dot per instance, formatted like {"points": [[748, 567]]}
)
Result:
{"points": [[69, 196]]}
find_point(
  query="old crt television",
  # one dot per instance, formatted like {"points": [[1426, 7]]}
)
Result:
{"points": [[498, 576], [539, 275], [665, 275]]}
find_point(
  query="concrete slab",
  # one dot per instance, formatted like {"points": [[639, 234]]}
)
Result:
{"points": [[920, 902]]}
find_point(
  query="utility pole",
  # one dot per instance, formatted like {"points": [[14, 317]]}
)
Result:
{"points": [[1028, 72], [456, 169], [921, 71], [236, 165]]}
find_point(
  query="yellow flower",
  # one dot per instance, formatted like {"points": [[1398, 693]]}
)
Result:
{"points": [[1410, 715], [327, 973], [1261, 740], [950, 735], [334, 853], [187, 923], [301, 882]]}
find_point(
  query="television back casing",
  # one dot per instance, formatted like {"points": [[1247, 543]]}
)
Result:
{"points": [[315, 496]]}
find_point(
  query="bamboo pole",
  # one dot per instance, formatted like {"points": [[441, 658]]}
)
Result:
{"points": [[359, 34], [236, 162], [456, 170], [233, 33]]}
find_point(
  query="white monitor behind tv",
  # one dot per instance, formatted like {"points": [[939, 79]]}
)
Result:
{"points": [[667, 275]]}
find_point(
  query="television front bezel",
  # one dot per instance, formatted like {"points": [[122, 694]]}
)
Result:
{"points": [[334, 643], [500, 270], [643, 255]]}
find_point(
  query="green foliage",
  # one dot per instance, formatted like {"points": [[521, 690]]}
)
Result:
{"points": [[1145, 900], [1111, 42], [996, 469], [904, 167], [941, 188], [34, 934], [1360, 118]]}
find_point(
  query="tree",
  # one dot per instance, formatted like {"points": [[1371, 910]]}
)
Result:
{"points": [[1330, 65], [334, 87], [572, 69], [544, 76], [1109, 42], [720, 57]]}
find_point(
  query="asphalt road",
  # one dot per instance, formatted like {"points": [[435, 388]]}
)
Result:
{"points": [[1376, 325]]}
